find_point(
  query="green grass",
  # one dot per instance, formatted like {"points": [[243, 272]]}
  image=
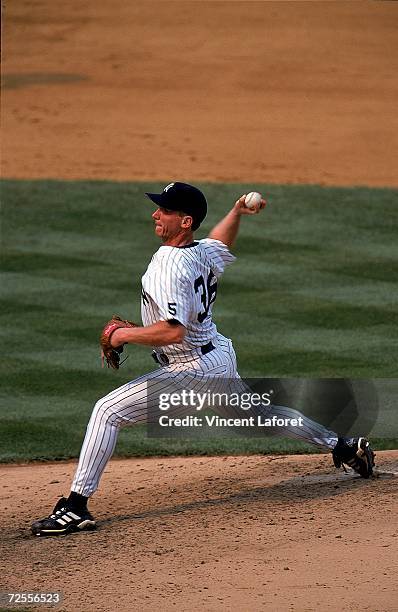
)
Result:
{"points": [[313, 293]]}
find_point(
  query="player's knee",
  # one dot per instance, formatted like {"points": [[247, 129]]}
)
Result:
{"points": [[105, 410]]}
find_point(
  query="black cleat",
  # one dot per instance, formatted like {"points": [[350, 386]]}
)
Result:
{"points": [[63, 520], [356, 453]]}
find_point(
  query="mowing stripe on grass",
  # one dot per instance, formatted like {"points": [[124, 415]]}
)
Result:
{"points": [[313, 293]]}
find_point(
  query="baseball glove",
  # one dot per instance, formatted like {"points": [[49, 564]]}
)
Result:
{"points": [[109, 353]]}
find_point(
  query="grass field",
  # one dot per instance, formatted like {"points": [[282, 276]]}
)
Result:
{"points": [[312, 294]]}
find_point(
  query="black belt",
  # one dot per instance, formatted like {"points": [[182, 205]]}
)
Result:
{"points": [[207, 348], [162, 359]]}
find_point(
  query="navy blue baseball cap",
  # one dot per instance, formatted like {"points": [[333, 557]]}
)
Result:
{"points": [[183, 197]]}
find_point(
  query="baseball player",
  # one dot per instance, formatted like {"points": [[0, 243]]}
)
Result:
{"points": [[179, 289]]}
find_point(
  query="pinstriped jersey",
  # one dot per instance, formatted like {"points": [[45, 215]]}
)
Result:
{"points": [[181, 284]]}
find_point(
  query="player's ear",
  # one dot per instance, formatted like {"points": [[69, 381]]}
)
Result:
{"points": [[187, 222]]}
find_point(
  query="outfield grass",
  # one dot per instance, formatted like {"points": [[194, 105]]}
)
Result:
{"points": [[313, 293]]}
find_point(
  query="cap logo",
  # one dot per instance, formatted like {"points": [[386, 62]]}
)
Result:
{"points": [[168, 187]]}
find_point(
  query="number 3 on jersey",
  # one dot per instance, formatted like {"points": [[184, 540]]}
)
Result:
{"points": [[208, 293]]}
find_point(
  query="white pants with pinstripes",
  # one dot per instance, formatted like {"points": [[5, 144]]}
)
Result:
{"points": [[138, 402]]}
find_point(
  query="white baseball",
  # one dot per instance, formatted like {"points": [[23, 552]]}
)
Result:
{"points": [[252, 200]]}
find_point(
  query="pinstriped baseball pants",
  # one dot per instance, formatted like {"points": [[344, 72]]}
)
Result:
{"points": [[138, 402]]}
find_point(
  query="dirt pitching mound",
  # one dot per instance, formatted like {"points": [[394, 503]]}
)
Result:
{"points": [[209, 533]]}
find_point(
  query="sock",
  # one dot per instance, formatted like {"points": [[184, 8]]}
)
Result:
{"points": [[77, 501]]}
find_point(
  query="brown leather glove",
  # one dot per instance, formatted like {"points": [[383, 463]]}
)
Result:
{"points": [[109, 353]]}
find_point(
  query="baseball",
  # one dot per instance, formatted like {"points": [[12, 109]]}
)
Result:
{"points": [[252, 200]]}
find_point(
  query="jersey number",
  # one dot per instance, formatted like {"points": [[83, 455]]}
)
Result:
{"points": [[172, 306], [208, 293]]}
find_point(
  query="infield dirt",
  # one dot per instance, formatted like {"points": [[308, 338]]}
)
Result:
{"points": [[226, 91], [298, 92]]}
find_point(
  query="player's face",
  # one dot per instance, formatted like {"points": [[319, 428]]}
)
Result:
{"points": [[167, 223]]}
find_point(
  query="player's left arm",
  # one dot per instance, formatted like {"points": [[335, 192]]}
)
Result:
{"points": [[227, 229], [161, 333]]}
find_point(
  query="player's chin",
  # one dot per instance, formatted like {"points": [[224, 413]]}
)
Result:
{"points": [[159, 230]]}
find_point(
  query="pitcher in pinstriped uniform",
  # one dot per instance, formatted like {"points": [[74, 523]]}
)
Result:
{"points": [[179, 289]]}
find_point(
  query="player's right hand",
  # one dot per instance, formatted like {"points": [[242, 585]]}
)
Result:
{"points": [[241, 208]]}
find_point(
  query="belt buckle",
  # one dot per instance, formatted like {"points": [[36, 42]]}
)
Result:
{"points": [[164, 360]]}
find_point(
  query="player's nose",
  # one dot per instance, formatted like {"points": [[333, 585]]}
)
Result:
{"points": [[155, 214]]}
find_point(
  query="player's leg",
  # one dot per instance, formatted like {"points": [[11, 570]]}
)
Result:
{"points": [[288, 422], [132, 403], [303, 428], [354, 452], [138, 402], [126, 405], [279, 418]]}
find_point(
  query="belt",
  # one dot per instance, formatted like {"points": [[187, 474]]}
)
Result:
{"points": [[162, 358]]}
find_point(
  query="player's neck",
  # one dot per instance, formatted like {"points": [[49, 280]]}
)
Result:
{"points": [[179, 240]]}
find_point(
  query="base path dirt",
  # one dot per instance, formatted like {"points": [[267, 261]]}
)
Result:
{"points": [[281, 92], [209, 533]]}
